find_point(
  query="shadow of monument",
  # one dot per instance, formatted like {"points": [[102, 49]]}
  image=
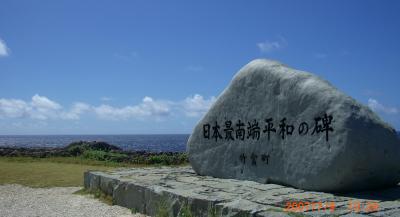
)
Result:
{"points": [[387, 194]]}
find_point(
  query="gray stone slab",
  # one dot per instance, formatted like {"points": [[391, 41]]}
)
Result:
{"points": [[150, 189]]}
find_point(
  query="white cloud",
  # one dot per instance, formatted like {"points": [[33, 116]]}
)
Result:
{"points": [[76, 111], [158, 108], [269, 46], [147, 108], [378, 107], [43, 103], [196, 105], [3, 49], [39, 108], [13, 108], [43, 108]]}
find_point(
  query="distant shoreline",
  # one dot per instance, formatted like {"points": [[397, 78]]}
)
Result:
{"points": [[133, 142], [97, 151]]}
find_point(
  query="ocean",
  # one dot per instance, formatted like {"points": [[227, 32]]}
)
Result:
{"points": [[150, 143]]}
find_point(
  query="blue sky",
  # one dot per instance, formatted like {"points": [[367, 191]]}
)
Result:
{"points": [[117, 67]]}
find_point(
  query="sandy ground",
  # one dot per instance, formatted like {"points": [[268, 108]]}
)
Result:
{"points": [[18, 200]]}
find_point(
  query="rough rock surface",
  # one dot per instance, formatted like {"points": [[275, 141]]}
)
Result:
{"points": [[147, 190], [319, 138]]}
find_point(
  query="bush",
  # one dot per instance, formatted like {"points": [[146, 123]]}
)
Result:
{"points": [[102, 146], [167, 159], [77, 148], [182, 158], [154, 159], [137, 159], [102, 151], [94, 155], [161, 159], [116, 157], [104, 156]]}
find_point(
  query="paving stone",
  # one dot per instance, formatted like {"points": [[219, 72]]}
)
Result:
{"points": [[173, 188]]}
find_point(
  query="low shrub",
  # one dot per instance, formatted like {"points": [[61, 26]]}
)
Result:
{"points": [[77, 148], [104, 156]]}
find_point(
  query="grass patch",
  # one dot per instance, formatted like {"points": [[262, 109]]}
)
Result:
{"points": [[134, 210], [185, 211], [50, 172], [212, 211], [104, 156], [162, 209], [56, 171], [68, 160], [164, 159]]}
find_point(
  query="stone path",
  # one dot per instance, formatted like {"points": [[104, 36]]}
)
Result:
{"points": [[21, 201], [148, 190]]}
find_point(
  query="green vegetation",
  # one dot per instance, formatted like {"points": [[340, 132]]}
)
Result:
{"points": [[103, 156], [212, 211], [63, 171], [68, 160], [164, 159], [162, 209], [102, 151], [78, 148], [65, 166], [134, 210], [147, 159], [46, 172], [98, 151], [185, 211]]}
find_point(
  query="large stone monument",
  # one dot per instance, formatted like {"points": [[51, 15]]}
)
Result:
{"points": [[275, 124]]}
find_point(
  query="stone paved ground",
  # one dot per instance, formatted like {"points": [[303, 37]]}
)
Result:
{"points": [[175, 189]]}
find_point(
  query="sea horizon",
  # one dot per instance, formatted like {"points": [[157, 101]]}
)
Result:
{"points": [[97, 134], [131, 142]]}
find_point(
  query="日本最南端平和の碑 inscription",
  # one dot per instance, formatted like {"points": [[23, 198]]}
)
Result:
{"points": [[240, 131]]}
